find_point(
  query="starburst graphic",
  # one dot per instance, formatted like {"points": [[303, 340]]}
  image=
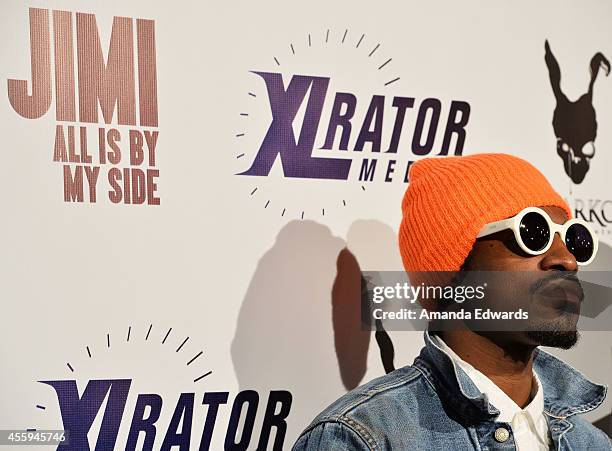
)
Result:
{"points": [[171, 342], [374, 59]]}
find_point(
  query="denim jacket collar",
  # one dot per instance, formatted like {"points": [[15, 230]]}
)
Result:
{"points": [[566, 390]]}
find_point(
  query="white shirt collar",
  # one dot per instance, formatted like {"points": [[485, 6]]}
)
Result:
{"points": [[508, 409]]}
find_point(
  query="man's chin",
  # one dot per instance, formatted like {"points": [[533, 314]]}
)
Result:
{"points": [[563, 339]]}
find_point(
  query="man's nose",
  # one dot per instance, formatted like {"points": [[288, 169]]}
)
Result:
{"points": [[558, 257]]}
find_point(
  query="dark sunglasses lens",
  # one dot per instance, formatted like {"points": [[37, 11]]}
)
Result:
{"points": [[579, 241], [534, 231]]}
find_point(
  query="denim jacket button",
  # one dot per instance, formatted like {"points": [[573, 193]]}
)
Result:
{"points": [[502, 434]]}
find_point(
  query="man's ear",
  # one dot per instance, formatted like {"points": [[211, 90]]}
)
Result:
{"points": [[468, 262]]}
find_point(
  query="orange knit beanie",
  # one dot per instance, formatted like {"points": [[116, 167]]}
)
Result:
{"points": [[450, 199]]}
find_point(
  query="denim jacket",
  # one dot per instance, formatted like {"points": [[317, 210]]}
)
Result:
{"points": [[433, 405]]}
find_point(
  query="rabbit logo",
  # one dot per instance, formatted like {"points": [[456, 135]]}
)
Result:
{"points": [[575, 123]]}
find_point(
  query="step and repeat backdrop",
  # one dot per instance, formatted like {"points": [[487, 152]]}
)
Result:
{"points": [[191, 191]]}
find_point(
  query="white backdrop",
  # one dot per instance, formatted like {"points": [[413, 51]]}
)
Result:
{"points": [[249, 285]]}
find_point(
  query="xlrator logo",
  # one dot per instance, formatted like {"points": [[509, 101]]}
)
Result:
{"points": [[151, 388], [332, 113]]}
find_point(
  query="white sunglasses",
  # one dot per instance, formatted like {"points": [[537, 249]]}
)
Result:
{"points": [[534, 232]]}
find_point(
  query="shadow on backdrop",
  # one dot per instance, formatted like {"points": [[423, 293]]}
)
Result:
{"points": [[284, 338], [371, 245], [299, 326]]}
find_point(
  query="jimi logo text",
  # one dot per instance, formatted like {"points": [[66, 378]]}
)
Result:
{"points": [[105, 108]]}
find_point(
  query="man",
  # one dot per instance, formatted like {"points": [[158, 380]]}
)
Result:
{"points": [[471, 389]]}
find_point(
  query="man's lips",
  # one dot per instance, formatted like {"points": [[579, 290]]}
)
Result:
{"points": [[564, 291]]}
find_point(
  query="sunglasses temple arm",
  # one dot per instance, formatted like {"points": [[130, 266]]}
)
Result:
{"points": [[495, 227]]}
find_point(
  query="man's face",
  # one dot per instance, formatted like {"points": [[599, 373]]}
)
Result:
{"points": [[543, 285]]}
